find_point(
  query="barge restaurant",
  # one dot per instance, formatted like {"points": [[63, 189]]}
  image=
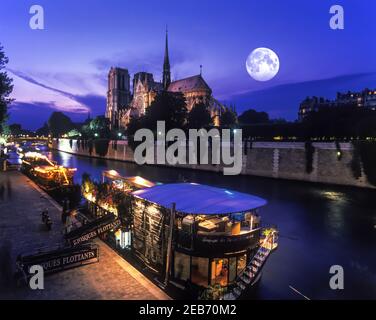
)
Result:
{"points": [[196, 236]]}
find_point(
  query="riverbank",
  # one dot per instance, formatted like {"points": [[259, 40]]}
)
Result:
{"points": [[22, 232], [327, 163]]}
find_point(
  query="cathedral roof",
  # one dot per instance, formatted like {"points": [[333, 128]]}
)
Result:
{"points": [[189, 84]]}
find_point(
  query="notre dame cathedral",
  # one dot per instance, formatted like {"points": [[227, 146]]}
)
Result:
{"points": [[122, 104]]}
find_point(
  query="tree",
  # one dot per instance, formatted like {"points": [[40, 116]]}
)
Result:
{"points": [[252, 117], [100, 126], [15, 129], [59, 124], [6, 88], [199, 117], [43, 131], [228, 119], [169, 107]]}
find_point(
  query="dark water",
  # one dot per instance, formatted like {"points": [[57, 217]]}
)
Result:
{"points": [[319, 226]]}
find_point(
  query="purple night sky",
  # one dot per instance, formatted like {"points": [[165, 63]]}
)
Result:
{"points": [[65, 66]]}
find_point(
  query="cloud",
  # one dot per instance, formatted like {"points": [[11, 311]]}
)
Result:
{"points": [[35, 100], [33, 115], [30, 89]]}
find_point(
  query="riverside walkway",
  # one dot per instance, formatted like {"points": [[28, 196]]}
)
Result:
{"points": [[22, 232]]}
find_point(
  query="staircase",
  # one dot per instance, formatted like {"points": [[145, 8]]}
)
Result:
{"points": [[250, 273]]}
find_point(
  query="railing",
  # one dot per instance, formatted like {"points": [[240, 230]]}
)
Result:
{"points": [[249, 275]]}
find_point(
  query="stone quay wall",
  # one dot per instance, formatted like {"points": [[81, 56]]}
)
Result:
{"points": [[281, 160]]}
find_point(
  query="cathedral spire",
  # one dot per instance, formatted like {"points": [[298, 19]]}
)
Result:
{"points": [[166, 66]]}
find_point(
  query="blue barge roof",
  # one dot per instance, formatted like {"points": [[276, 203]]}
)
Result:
{"points": [[196, 198]]}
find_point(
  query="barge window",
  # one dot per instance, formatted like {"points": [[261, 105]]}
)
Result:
{"points": [[219, 271], [182, 266], [200, 270]]}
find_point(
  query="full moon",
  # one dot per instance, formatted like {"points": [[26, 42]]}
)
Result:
{"points": [[262, 64]]}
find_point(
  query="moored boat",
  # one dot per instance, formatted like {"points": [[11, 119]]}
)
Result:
{"points": [[205, 240], [47, 173]]}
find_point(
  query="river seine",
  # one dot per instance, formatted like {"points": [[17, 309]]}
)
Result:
{"points": [[320, 226]]}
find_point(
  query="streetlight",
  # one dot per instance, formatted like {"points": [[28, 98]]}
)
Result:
{"points": [[96, 135]]}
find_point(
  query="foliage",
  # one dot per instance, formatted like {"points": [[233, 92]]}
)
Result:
{"points": [[367, 151], [73, 133], [252, 117], [88, 186], [213, 292], [43, 131], [15, 129], [59, 124], [169, 107], [123, 203], [97, 127], [6, 88], [101, 147], [356, 167], [309, 151], [228, 119], [341, 122], [199, 117]]}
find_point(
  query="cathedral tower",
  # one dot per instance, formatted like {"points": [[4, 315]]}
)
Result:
{"points": [[118, 94], [166, 67]]}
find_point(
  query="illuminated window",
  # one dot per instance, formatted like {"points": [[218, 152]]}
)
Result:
{"points": [[219, 271]]}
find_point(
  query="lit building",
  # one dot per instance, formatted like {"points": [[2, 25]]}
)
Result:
{"points": [[118, 94], [310, 105], [122, 105], [365, 98]]}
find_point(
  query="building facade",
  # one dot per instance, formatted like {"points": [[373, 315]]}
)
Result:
{"points": [[118, 94], [122, 105], [365, 98]]}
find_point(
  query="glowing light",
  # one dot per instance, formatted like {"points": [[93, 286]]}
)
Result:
{"points": [[142, 182], [113, 173]]}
